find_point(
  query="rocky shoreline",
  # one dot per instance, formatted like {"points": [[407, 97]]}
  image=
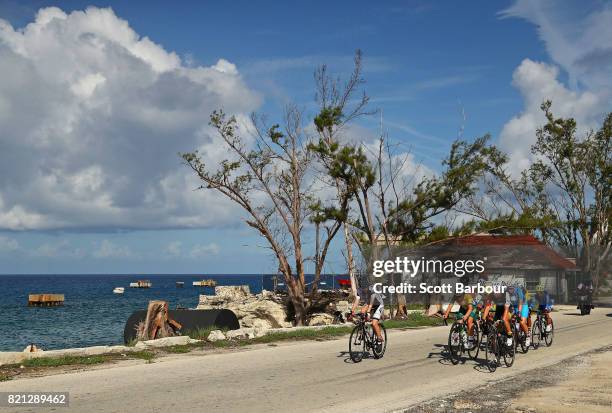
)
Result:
{"points": [[272, 310], [258, 314]]}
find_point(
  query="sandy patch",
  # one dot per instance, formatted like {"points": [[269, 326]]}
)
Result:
{"points": [[588, 389]]}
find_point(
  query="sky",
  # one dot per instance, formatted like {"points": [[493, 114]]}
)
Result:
{"points": [[98, 98]]}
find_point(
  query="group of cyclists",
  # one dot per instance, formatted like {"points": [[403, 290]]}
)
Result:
{"points": [[506, 300], [506, 305]]}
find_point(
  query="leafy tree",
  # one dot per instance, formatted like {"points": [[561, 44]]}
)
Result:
{"points": [[575, 178]]}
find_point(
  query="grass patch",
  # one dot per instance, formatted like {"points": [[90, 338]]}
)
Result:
{"points": [[132, 342], [202, 333], [66, 361], [178, 349], [147, 356], [303, 334], [414, 320], [4, 377]]}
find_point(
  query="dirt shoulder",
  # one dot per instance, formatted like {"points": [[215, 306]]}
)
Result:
{"points": [[580, 383]]}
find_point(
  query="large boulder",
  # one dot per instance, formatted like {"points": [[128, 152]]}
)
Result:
{"points": [[233, 292], [262, 311], [321, 319], [215, 335], [343, 306], [241, 334]]}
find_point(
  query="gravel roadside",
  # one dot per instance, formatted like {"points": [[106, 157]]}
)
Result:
{"points": [[579, 383]]}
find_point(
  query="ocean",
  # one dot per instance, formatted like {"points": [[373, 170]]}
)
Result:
{"points": [[92, 314]]}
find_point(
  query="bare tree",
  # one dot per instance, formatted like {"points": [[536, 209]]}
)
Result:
{"points": [[269, 181]]}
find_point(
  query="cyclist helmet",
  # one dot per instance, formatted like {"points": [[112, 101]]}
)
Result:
{"points": [[539, 288]]}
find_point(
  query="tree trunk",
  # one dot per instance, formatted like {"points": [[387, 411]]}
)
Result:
{"points": [[157, 324], [402, 310]]}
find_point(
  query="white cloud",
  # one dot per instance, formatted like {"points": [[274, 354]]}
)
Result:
{"points": [[204, 250], [58, 249], [92, 118], [173, 249], [579, 41], [538, 82], [578, 37], [108, 249], [8, 244]]}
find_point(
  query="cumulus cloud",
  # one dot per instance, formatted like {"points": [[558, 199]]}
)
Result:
{"points": [[59, 249], [92, 117], [108, 249], [577, 37], [173, 249], [204, 250], [578, 40], [8, 244], [176, 249], [538, 82]]}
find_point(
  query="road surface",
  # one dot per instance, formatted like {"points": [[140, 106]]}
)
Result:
{"points": [[306, 376]]}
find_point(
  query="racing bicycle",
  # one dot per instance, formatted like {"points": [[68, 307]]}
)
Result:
{"points": [[496, 347], [363, 339], [539, 333], [458, 339]]}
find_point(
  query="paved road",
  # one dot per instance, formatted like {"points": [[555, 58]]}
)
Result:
{"points": [[305, 376]]}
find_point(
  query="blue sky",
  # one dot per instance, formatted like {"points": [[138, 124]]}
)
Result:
{"points": [[425, 65]]}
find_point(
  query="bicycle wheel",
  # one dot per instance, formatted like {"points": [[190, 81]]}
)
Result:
{"points": [[536, 334], [523, 340], [473, 351], [454, 342], [491, 353], [357, 345], [515, 336], [509, 353], [379, 348], [548, 335]]}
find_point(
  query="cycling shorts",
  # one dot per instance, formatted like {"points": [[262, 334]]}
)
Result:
{"points": [[378, 312], [499, 312], [545, 308]]}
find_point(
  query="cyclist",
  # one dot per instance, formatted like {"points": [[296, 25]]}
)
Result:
{"points": [[482, 303], [501, 300], [466, 314], [375, 307], [545, 305], [520, 308]]}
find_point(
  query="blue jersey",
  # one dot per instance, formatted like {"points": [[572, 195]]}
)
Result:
{"points": [[517, 297], [543, 299]]}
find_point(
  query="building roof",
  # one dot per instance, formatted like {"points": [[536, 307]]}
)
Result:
{"points": [[507, 251]]}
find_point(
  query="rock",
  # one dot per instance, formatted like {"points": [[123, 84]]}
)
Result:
{"points": [[32, 349], [343, 306], [321, 319], [215, 335], [166, 342], [263, 311], [260, 332], [241, 334], [232, 292]]}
